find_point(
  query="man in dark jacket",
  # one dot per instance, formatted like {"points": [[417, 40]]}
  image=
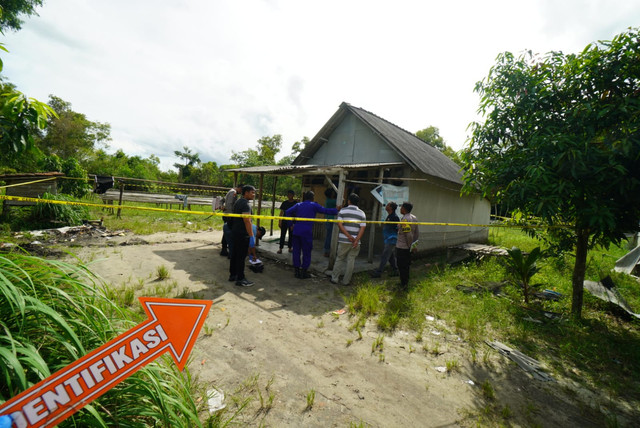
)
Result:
{"points": [[243, 237], [302, 236]]}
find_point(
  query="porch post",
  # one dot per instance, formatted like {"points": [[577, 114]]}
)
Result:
{"points": [[376, 216], [273, 202], [334, 235], [260, 198]]}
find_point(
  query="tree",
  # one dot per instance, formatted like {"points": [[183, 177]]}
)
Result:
{"points": [[431, 135], [265, 153], [12, 10], [296, 148], [20, 119], [561, 141], [190, 159], [71, 134]]}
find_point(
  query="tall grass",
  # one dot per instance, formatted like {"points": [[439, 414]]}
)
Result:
{"points": [[51, 314]]}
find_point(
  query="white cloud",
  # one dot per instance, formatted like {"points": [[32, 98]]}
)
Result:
{"points": [[217, 75]]}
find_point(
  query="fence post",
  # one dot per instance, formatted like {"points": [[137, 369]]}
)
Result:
{"points": [[120, 200]]}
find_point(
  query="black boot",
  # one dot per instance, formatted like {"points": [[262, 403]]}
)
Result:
{"points": [[305, 274], [297, 272]]}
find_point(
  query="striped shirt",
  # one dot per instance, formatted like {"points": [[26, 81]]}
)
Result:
{"points": [[351, 212]]}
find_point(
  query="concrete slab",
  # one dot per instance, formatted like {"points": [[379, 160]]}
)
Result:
{"points": [[269, 246]]}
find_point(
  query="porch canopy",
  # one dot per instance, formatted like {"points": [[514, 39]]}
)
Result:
{"points": [[328, 171]]}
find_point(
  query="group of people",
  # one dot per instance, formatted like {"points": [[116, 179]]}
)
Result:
{"points": [[240, 235]]}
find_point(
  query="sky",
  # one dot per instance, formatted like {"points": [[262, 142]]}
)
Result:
{"points": [[217, 75]]}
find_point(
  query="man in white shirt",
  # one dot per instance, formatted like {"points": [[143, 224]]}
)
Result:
{"points": [[348, 239]]}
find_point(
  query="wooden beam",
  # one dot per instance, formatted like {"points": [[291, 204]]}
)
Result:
{"points": [[334, 234], [273, 202], [376, 215]]}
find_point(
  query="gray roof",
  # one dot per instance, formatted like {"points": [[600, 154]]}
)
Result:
{"points": [[416, 153], [307, 169]]}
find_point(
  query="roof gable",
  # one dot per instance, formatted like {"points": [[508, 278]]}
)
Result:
{"points": [[416, 153]]}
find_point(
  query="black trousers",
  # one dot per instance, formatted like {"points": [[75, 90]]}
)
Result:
{"points": [[403, 256], [283, 234], [238, 255], [224, 240]]}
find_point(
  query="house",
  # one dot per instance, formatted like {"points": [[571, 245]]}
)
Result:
{"points": [[357, 151]]}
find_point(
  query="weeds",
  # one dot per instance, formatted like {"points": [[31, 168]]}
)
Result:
{"points": [[311, 397], [452, 365], [162, 273], [378, 344]]}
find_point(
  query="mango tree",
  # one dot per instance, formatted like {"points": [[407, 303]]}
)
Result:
{"points": [[561, 141]]}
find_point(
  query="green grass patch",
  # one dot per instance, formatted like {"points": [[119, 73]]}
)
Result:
{"points": [[601, 350]]}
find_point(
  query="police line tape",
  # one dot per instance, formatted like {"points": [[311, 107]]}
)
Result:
{"points": [[200, 190], [260, 216], [28, 182]]}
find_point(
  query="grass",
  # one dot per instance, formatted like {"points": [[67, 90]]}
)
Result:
{"points": [[162, 273], [311, 398], [583, 351]]}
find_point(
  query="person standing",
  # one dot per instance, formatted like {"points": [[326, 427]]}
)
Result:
{"points": [[348, 239], [242, 237], [407, 241], [302, 238], [285, 226], [390, 235], [330, 202], [227, 208]]}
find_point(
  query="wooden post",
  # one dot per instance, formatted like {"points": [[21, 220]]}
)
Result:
{"points": [[120, 200], [273, 202], [260, 197], [376, 215], [334, 234]]}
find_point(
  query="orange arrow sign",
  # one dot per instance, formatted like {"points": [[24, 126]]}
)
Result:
{"points": [[173, 325]]}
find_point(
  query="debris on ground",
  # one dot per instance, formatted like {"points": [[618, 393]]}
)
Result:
{"points": [[39, 242], [629, 263], [607, 291], [548, 295], [528, 364], [215, 400], [485, 287]]}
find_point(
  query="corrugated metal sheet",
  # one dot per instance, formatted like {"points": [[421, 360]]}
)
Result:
{"points": [[308, 169], [419, 155]]}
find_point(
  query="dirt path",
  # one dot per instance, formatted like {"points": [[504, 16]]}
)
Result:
{"points": [[280, 340]]}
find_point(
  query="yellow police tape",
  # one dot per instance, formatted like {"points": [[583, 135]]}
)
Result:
{"points": [[28, 182], [262, 217]]}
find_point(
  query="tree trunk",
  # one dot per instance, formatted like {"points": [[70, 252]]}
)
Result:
{"points": [[579, 271]]}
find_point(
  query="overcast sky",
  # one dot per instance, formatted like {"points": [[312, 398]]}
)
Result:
{"points": [[216, 75]]}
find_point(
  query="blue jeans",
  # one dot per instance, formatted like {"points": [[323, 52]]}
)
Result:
{"points": [[388, 255]]}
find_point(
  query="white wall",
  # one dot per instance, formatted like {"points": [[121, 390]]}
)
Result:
{"points": [[439, 201]]}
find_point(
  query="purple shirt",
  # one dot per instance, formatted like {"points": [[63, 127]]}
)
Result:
{"points": [[307, 209]]}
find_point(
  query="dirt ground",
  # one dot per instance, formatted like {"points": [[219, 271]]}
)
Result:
{"points": [[279, 340]]}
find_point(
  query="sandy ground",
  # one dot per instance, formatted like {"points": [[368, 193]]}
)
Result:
{"points": [[280, 340]]}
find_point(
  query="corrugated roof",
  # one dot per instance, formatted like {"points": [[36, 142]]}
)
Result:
{"points": [[419, 155], [307, 169]]}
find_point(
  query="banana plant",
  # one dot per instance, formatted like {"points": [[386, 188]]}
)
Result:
{"points": [[522, 267]]}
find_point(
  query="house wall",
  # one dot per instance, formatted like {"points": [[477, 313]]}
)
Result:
{"points": [[438, 201], [353, 142]]}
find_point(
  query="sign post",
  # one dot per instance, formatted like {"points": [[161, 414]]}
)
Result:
{"points": [[172, 326]]}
